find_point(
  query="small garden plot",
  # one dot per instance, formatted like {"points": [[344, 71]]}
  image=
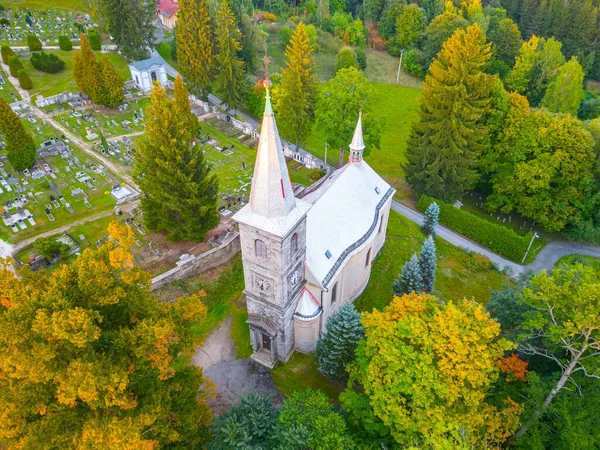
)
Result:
{"points": [[46, 24]]}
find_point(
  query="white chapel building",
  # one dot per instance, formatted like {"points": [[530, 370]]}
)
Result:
{"points": [[304, 257]]}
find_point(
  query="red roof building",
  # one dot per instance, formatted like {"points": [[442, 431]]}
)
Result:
{"points": [[167, 12]]}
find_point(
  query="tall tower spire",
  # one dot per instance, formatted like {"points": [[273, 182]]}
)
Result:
{"points": [[357, 145], [271, 193]]}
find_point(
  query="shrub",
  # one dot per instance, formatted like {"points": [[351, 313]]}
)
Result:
{"points": [[24, 79], [589, 109], [493, 236], [269, 17], [94, 39], [285, 35], [4, 21], [14, 64], [6, 52], [65, 43], [345, 58], [34, 43], [49, 247], [47, 62], [361, 58], [316, 173], [412, 63], [375, 41]]}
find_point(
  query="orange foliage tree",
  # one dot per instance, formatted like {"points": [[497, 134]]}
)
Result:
{"points": [[87, 357], [427, 368]]}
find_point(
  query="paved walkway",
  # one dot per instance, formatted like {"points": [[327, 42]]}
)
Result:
{"points": [[546, 259], [218, 347]]}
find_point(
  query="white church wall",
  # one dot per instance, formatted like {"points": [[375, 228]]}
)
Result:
{"points": [[307, 333]]}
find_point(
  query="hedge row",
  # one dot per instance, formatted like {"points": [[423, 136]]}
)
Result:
{"points": [[47, 62], [500, 239]]}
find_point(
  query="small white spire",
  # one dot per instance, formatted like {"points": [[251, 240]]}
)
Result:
{"points": [[357, 145]]}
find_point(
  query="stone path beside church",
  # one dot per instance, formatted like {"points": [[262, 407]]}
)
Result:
{"points": [[233, 378]]}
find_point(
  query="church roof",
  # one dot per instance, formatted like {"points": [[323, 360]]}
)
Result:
{"points": [[344, 215], [272, 206], [147, 63], [357, 140], [308, 306]]}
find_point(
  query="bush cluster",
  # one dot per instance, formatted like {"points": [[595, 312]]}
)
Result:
{"points": [[33, 43], [14, 65], [94, 39], [500, 239], [6, 52], [65, 43], [24, 80], [47, 62]]}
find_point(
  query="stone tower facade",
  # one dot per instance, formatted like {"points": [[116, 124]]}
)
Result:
{"points": [[273, 243]]}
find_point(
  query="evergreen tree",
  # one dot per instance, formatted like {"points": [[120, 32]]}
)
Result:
{"points": [[428, 264], [112, 84], [444, 146], [86, 71], [230, 68], [7, 52], [19, 144], [195, 52], [345, 58], [14, 65], [409, 26], [565, 91], [439, 30], [410, 279], [335, 349], [430, 221], [294, 97], [180, 193], [131, 24], [182, 108]]}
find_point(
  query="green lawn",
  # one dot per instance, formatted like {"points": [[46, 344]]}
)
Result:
{"points": [[6, 89], [164, 50], [79, 6], [586, 260], [49, 84], [459, 274]]}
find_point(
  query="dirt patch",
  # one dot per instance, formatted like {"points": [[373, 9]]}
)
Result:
{"points": [[218, 347]]}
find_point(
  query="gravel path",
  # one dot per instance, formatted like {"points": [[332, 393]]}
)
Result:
{"points": [[218, 347]]}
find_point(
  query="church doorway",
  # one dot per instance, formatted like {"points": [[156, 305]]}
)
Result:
{"points": [[153, 76], [266, 342]]}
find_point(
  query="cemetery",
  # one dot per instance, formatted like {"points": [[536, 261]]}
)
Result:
{"points": [[46, 24], [7, 92]]}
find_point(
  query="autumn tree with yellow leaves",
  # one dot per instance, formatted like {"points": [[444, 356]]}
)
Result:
{"points": [[87, 357], [425, 370]]}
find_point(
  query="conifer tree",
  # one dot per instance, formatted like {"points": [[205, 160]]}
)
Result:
{"points": [[430, 221], [410, 279], [131, 23], [294, 97], [444, 146], [182, 108], [230, 68], [428, 264], [335, 349], [195, 52], [86, 71], [565, 91], [180, 193], [19, 144], [112, 83]]}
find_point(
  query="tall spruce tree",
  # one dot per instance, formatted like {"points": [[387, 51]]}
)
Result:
{"points": [[428, 264], [430, 221], [230, 68], [182, 108], [131, 24], [195, 49], [335, 349], [410, 279], [86, 71], [19, 144], [444, 146], [295, 95], [180, 193]]}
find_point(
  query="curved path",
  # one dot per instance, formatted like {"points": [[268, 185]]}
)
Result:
{"points": [[546, 259]]}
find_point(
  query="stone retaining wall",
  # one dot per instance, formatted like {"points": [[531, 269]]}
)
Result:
{"points": [[201, 263]]}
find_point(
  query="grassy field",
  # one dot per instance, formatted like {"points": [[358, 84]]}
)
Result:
{"points": [[79, 6], [586, 260], [164, 50], [49, 84], [7, 89]]}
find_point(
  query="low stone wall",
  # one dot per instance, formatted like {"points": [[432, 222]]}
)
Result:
{"points": [[201, 263]]}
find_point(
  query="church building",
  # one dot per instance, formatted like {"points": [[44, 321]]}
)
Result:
{"points": [[304, 257]]}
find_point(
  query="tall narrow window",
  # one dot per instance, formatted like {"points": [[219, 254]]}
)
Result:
{"points": [[260, 249], [381, 224], [294, 242], [334, 294], [368, 260]]}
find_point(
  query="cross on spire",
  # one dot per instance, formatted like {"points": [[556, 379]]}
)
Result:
{"points": [[267, 61]]}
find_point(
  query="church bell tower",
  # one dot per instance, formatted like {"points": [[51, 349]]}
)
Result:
{"points": [[273, 241]]}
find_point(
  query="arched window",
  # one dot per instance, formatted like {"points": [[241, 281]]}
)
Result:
{"points": [[381, 224], [260, 249], [368, 260], [334, 294], [294, 242]]}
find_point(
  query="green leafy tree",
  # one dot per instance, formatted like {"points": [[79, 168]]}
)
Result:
{"points": [[50, 247], [64, 43], [19, 143], [338, 106], [439, 30], [506, 42], [335, 349], [131, 24], [345, 58], [195, 49], [230, 69], [445, 145], [565, 91], [430, 220], [180, 192], [89, 357], [294, 96], [410, 24], [427, 367], [410, 279], [428, 264], [33, 43]]}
